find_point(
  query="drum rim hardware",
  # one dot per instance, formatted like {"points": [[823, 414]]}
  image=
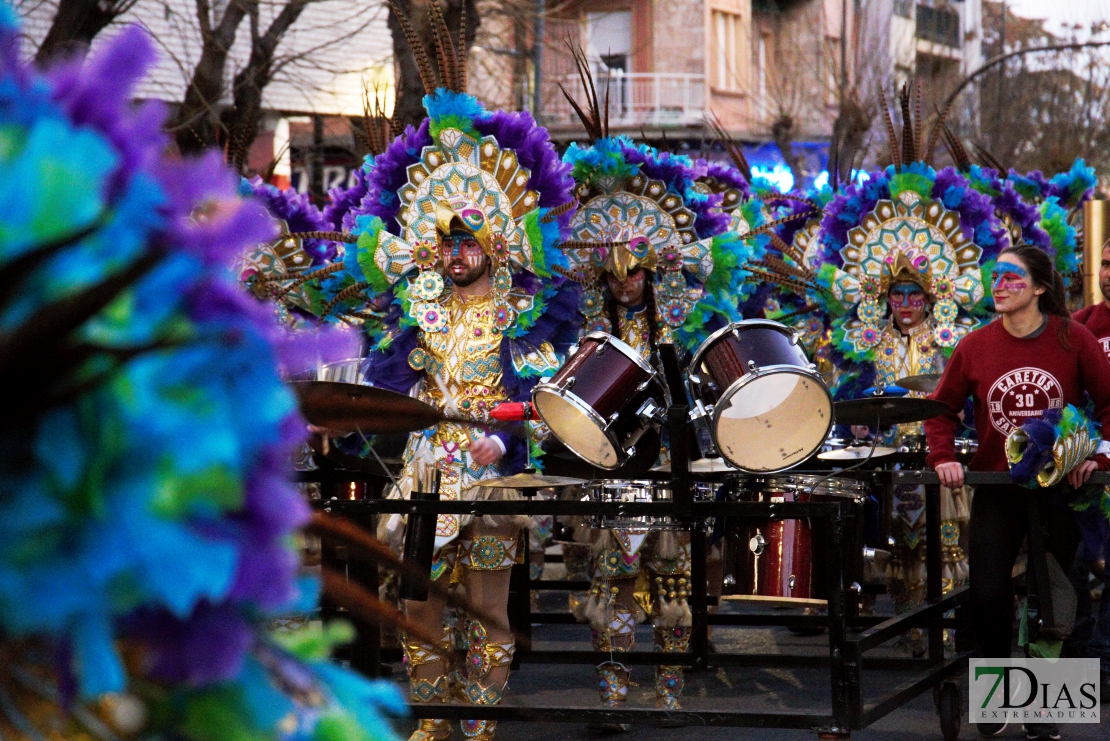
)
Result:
{"points": [[715, 410], [649, 412], [752, 372]]}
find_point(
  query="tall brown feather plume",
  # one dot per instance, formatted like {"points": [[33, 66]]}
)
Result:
{"points": [[780, 265], [834, 161], [908, 155], [770, 225], [596, 126], [780, 197], [919, 121], [787, 249], [445, 47], [376, 127], [781, 280], [934, 133], [424, 65], [462, 49], [576, 244], [329, 236], [559, 211], [735, 153], [956, 149], [346, 293], [891, 136], [989, 159]]}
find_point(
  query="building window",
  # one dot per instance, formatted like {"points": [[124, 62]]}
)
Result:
{"points": [[728, 43]]}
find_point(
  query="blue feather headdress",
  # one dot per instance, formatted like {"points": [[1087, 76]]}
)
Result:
{"points": [[1042, 452], [145, 509]]}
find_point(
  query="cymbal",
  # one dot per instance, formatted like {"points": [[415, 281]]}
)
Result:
{"points": [[926, 382], [350, 407], [883, 410], [702, 465], [855, 453], [528, 480]]}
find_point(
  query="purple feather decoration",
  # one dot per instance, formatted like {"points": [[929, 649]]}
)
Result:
{"points": [[300, 213], [341, 201], [390, 173]]}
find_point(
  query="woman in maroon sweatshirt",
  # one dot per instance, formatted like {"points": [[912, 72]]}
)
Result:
{"points": [[1033, 359]]}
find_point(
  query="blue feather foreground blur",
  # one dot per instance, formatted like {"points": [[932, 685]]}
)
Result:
{"points": [[1042, 452], [146, 523]]}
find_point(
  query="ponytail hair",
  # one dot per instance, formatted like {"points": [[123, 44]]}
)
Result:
{"points": [[1054, 300]]}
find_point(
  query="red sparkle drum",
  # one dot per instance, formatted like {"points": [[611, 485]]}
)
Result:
{"points": [[784, 560], [601, 401], [768, 408]]}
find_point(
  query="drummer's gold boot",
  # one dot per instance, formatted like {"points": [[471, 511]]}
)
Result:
{"points": [[483, 657], [671, 616], [612, 676], [428, 666]]}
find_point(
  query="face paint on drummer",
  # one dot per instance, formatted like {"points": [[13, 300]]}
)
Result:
{"points": [[630, 291], [464, 260], [1009, 277], [907, 304]]}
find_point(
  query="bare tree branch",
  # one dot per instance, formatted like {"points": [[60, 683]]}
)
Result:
{"points": [[76, 23]]}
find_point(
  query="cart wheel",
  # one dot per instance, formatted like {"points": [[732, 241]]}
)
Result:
{"points": [[950, 709]]}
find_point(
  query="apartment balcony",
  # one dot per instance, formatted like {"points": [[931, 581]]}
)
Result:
{"points": [[636, 99], [938, 26]]}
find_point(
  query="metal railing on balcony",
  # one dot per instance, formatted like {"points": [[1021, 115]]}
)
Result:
{"points": [[939, 25], [635, 99]]}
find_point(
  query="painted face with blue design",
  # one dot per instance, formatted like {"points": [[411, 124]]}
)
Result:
{"points": [[464, 260], [908, 305], [1011, 286]]}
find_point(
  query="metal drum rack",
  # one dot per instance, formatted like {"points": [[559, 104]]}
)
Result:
{"points": [[849, 711]]}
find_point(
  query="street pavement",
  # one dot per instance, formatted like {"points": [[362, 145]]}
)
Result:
{"points": [[738, 689]]}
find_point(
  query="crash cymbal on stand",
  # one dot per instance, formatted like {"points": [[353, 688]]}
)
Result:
{"points": [[349, 407], [925, 383], [528, 480], [885, 410]]}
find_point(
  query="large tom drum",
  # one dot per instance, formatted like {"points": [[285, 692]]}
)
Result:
{"points": [[768, 408], [600, 402], [787, 559]]}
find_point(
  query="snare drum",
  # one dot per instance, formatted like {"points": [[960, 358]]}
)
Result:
{"points": [[641, 492], [768, 407], [775, 558], [601, 401]]}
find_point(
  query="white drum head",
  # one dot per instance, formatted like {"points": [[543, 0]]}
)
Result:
{"points": [[772, 422], [572, 424]]}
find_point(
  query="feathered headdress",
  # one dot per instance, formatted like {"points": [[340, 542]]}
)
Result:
{"points": [[1042, 452], [643, 208], [906, 222], [146, 511], [467, 173], [1027, 218]]}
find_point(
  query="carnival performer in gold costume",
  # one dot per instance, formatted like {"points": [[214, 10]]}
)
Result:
{"points": [[461, 254], [899, 269], [655, 269]]}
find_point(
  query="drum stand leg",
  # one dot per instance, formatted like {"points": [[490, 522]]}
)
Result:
{"points": [[845, 669], [933, 566], [366, 650], [699, 602]]}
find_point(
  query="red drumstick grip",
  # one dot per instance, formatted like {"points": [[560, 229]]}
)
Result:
{"points": [[513, 411]]}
